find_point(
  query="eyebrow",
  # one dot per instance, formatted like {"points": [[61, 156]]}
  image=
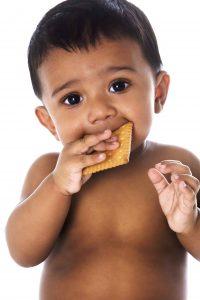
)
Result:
{"points": [[109, 69]]}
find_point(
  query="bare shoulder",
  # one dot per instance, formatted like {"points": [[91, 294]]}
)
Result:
{"points": [[38, 171], [172, 152]]}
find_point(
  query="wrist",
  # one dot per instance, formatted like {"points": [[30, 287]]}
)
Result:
{"points": [[194, 225], [56, 187]]}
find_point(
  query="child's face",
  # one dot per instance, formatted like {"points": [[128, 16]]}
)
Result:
{"points": [[101, 101]]}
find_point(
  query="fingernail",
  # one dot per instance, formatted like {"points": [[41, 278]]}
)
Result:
{"points": [[102, 156], [115, 143], [163, 167], [158, 165], [176, 176], [105, 131], [183, 184], [113, 138]]}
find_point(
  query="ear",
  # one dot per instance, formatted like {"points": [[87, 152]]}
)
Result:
{"points": [[45, 119], [162, 86]]}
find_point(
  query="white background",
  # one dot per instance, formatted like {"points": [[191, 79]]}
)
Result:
{"points": [[177, 27]]}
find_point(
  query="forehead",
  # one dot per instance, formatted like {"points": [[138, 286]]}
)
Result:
{"points": [[60, 64]]}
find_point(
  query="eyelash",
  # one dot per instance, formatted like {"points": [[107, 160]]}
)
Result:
{"points": [[74, 93]]}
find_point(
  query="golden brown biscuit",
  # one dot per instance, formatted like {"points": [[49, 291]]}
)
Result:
{"points": [[117, 156]]}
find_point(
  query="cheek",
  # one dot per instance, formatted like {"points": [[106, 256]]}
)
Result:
{"points": [[140, 111], [142, 119], [139, 108], [69, 131], [69, 126]]}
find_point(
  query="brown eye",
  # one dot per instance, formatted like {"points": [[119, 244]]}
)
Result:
{"points": [[73, 99], [119, 85]]}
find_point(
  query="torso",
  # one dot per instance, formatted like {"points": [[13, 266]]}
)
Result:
{"points": [[116, 242]]}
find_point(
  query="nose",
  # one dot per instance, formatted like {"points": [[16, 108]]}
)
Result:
{"points": [[101, 111]]}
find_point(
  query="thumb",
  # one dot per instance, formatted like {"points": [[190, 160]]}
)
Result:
{"points": [[159, 181], [85, 178]]}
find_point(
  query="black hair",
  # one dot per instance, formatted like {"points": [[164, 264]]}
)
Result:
{"points": [[78, 24]]}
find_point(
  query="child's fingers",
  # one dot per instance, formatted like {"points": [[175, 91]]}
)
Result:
{"points": [[173, 167], [112, 139], [190, 180], [106, 146], [189, 198], [87, 143]]}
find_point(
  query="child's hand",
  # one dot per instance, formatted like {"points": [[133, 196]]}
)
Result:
{"points": [[74, 157], [178, 202]]}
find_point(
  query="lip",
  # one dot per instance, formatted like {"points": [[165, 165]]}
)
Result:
{"points": [[126, 123], [114, 129], [121, 126]]}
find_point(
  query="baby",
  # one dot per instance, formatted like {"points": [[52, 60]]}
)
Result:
{"points": [[122, 233]]}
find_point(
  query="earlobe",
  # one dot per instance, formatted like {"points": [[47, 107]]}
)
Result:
{"points": [[45, 119], [162, 86], [158, 106]]}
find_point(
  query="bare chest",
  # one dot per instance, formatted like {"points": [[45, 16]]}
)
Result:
{"points": [[116, 240], [118, 207]]}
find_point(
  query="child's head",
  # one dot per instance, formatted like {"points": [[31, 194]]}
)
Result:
{"points": [[79, 39]]}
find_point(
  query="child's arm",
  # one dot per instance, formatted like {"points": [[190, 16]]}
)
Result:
{"points": [[180, 202], [36, 222]]}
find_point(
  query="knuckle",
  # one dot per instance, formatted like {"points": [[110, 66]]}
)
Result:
{"points": [[86, 159], [98, 137], [100, 145], [95, 156], [84, 144], [186, 168], [83, 159], [84, 139], [198, 182], [89, 140]]}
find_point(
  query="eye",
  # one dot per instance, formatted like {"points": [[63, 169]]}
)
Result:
{"points": [[119, 85], [73, 99]]}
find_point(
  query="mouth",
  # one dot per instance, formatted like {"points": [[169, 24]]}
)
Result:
{"points": [[123, 125], [113, 130], [131, 134]]}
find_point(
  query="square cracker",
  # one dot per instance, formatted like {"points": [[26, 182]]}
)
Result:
{"points": [[116, 157]]}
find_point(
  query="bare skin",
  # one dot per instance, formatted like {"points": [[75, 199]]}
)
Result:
{"points": [[110, 239], [118, 247]]}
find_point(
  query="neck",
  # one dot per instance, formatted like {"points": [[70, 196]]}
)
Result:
{"points": [[139, 151]]}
